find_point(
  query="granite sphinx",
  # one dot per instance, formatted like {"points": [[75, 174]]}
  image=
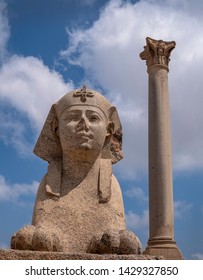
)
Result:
{"points": [[79, 206]]}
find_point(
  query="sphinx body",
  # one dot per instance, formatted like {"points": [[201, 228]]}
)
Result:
{"points": [[79, 206], [78, 216]]}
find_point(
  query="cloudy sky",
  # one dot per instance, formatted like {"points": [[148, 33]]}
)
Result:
{"points": [[48, 48]]}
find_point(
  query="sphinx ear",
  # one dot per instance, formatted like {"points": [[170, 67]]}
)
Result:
{"points": [[110, 128], [55, 127], [106, 147], [48, 146]]}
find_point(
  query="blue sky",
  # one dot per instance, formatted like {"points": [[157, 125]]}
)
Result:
{"points": [[48, 48]]}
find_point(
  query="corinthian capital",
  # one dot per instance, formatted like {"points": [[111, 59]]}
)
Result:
{"points": [[157, 52]]}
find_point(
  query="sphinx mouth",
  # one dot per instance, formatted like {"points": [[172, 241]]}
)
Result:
{"points": [[84, 135]]}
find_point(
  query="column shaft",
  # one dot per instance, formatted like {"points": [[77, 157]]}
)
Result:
{"points": [[160, 167], [161, 217]]}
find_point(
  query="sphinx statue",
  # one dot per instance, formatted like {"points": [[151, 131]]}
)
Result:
{"points": [[79, 206]]}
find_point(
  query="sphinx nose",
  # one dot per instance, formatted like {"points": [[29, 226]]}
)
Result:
{"points": [[83, 124]]}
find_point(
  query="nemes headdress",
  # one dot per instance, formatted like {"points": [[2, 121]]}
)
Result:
{"points": [[48, 145]]}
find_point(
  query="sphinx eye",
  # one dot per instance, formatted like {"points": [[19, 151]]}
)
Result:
{"points": [[94, 118], [72, 117]]}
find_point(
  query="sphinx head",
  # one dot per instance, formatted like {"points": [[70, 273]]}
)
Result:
{"points": [[81, 121], [82, 125]]}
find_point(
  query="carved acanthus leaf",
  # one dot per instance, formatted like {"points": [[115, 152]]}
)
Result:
{"points": [[157, 52]]}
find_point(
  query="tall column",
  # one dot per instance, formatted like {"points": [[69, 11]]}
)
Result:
{"points": [[161, 217]]}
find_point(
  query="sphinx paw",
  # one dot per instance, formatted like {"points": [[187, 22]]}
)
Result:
{"points": [[35, 239], [129, 243], [22, 239], [122, 242]]}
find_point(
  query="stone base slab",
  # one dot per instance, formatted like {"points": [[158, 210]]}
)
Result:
{"points": [[38, 255], [169, 253]]}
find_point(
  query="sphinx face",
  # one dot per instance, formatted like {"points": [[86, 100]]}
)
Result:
{"points": [[82, 128]]}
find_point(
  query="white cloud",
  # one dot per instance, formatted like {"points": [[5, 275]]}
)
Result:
{"points": [[193, 8], [12, 133], [137, 222], [197, 256], [137, 193], [13, 192], [181, 208], [109, 53], [27, 85], [30, 87]]}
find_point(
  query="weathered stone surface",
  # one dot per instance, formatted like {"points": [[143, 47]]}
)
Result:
{"points": [[115, 242], [79, 199], [23, 238], [30, 255], [161, 236], [129, 243], [157, 53], [37, 239]]}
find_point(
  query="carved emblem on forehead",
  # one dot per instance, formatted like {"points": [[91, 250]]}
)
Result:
{"points": [[83, 93]]}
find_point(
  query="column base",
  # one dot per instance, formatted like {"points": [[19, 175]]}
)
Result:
{"points": [[165, 247]]}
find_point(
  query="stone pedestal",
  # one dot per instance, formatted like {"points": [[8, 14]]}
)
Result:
{"points": [[39, 255], [161, 216]]}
